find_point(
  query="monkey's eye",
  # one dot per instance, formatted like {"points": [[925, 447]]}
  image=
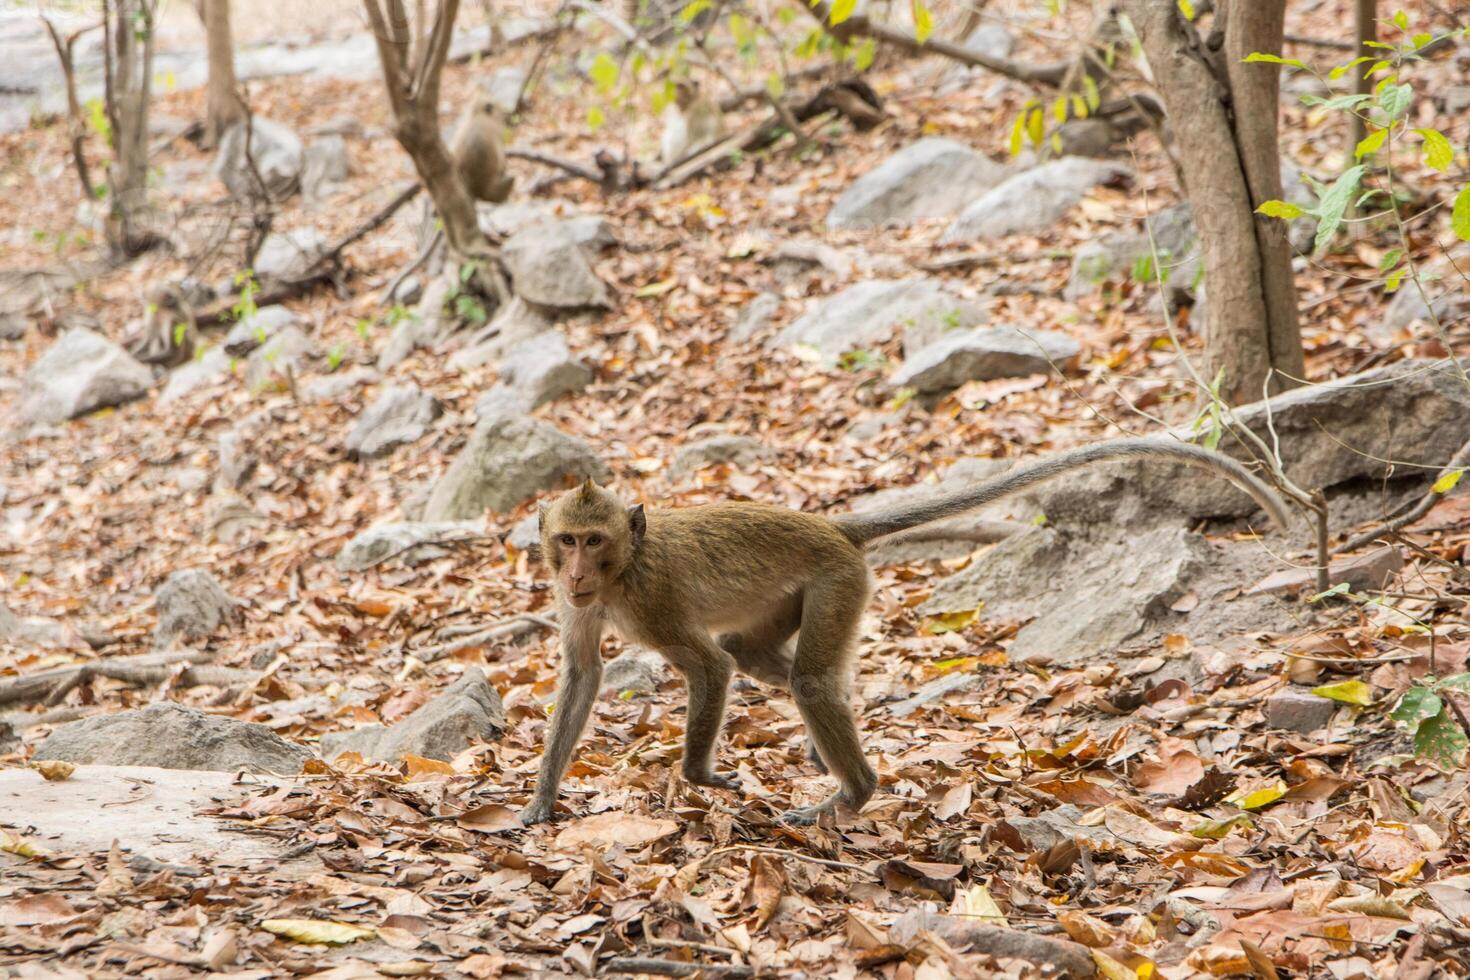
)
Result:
{"points": [[593, 540], [568, 540]]}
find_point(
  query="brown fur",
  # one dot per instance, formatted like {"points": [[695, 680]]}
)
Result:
{"points": [[754, 576], [479, 151]]}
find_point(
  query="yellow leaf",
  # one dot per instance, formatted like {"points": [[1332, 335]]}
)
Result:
{"points": [[952, 622], [319, 931], [1220, 829], [419, 766], [54, 770], [923, 22], [1109, 968], [976, 901], [1447, 482], [1256, 799], [841, 10], [1348, 692], [23, 846], [657, 288]]}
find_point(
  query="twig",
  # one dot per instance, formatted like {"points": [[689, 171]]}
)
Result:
{"points": [[674, 968], [75, 127], [778, 852], [1426, 503], [560, 163], [514, 626]]}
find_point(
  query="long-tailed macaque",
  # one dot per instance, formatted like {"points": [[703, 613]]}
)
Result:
{"points": [[479, 150], [723, 587], [693, 121]]}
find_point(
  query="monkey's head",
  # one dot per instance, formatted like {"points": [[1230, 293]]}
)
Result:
{"points": [[685, 92], [588, 535]]}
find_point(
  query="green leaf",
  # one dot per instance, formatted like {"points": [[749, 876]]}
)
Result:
{"points": [[1342, 70], [1395, 280], [923, 22], [1390, 259], [1341, 588], [1220, 829], [1094, 97], [1420, 40], [1059, 109], [1418, 704], [1461, 220], [1395, 99], [604, 72], [1438, 152], [1284, 210], [1455, 682], [865, 54], [1447, 482], [595, 117], [1401, 20], [1333, 204], [1036, 126], [1370, 144], [1259, 57], [841, 10], [1441, 740], [1347, 692], [693, 9], [1018, 136]]}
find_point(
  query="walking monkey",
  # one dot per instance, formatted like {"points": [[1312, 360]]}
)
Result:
{"points": [[725, 586]]}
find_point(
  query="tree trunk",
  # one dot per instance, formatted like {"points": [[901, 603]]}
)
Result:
{"points": [[222, 101], [1365, 23], [1237, 334], [129, 69], [1259, 25]]}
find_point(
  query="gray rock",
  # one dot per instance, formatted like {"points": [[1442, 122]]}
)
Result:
{"points": [[185, 378], [1297, 709], [278, 156], [1052, 827], [526, 534], [504, 220], [740, 451], [1086, 601], [289, 254], [1122, 252], [12, 326], [507, 461], [32, 631], [869, 313], [1415, 411], [1362, 573], [983, 354], [236, 464], [81, 372], [270, 364], [1456, 100], [1092, 138], [409, 542], [1032, 201], [991, 40], [172, 736], [933, 178], [500, 400], [505, 87], [9, 740], [755, 316], [191, 604], [542, 369], [250, 332], [512, 324], [549, 266], [325, 166], [401, 413], [634, 670], [468, 711], [1407, 311], [332, 386], [409, 291], [935, 690]]}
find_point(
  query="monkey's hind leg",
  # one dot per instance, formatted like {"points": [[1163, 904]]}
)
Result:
{"points": [[819, 683], [763, 651], [707, 670]]}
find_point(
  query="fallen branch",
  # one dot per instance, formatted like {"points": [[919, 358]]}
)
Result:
{"points": [[51, 685], [1424, 505], [322, 269], [582, 170], [514, 626]]}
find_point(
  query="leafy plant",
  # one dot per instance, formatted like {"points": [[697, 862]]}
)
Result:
{"points": [[1438, 734], [245, 306], [862, 360]]}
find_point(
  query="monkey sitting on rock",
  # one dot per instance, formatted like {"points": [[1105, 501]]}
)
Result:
{"points": [[723, 587]]}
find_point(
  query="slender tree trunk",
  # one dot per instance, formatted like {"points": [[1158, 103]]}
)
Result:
{"points": [[1365, 18], [130, 72], [222, 101], [1204, 139], [1259, 25]]}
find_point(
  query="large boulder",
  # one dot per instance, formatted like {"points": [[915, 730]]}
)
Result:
{"points": [[984, 354], [933, 178], [1032, 201], [277, 154], [401, 413], [549, 265], [468, 711], [871, 312], [507, 461], [410, 542], [81, 372], [191, 605], [172, 736]]}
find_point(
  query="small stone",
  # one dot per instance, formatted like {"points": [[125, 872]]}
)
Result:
{"points": [[755, 316], [191, 604], [172, 736], [468, 711], [252, 331], [542, 369], [549, 267], [1296, 709], [289, 254], [1364, 573], [270, 364], [81, 372], [326, 166], [740, 451], [634, 670], [871, 312], [983, 355], [275, 153], [409, 542], [400, 414], [933, 178], [1032, 201]]}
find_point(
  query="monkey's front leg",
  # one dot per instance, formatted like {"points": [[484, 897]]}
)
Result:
{"points": [[708, 678], [581, 677]]}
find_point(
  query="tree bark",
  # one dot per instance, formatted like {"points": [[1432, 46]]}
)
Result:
{"points": [[223, 107], [1259, 25], [1213, 168], [128, 53], [1365, 24]]}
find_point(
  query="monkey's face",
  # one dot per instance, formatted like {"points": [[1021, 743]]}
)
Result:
{"points": [[588, 536]]}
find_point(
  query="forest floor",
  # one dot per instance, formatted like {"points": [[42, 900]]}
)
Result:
{"points": [[1339, 855]]}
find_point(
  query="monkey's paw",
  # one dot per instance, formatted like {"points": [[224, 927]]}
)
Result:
{"points": [[537, 811], [805, 816], [715, 779]]}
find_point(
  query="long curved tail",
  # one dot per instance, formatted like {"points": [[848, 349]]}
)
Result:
{"points": [[862, 528]]}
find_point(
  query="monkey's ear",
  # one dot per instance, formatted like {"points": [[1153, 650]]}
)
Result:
{"points": [[637, 523], [589, 487]]}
